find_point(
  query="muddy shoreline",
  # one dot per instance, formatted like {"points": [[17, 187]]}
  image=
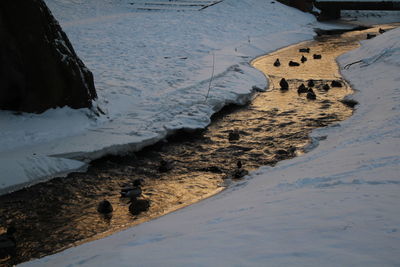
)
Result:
{"points": [[61, 213]]}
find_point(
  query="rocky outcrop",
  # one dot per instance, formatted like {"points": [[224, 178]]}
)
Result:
{"points": [[303, 5], [39, 68]]}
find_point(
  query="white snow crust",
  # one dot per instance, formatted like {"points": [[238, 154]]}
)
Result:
{"points": [[152, 71], [337, 205]]}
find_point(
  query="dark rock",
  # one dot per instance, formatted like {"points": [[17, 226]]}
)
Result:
{"points": [[326, 87], [293, 64], [310, 83], [284, 84], [303, 5], [304, 50], [277, 63], [336, 84], [39, 68], [302, 89], [303, 59], [317, 56], [234, 136], [311, 95], [370, 35], [105, 207], [138, 206], [165, 165]]}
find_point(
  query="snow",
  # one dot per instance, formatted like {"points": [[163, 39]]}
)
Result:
{"points": [[337, 205], [152, 71]]}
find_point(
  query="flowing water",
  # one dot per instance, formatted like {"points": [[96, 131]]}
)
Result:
{"points": [[61, 213]]}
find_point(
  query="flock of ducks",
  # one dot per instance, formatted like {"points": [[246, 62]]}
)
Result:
{"points": [[303, 59], [134, 191], [308, 90], [302, 89], [131, 191]]}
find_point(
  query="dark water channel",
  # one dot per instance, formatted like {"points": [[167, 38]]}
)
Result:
{"points": [[61, 213]]}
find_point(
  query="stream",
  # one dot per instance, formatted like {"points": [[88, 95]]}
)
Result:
{"points": [[60, 213]]}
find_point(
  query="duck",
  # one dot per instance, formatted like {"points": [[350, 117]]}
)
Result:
{"points": [[302, 89], [293, 64], [165, 165], [277, 63], [239, 164], [310, 83], [284, 84], [336, 84], [304, 50], [239, 173], [370, 35], [234, 135], [138, 206], [105, 207], [317, 56], [381, 30], [326, 87], [131, 192], [311, 95], [303, 59], [8, 243], [137, 182]]}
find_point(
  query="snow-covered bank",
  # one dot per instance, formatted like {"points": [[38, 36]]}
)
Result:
{"points": [[152, 72], [337, 205]]}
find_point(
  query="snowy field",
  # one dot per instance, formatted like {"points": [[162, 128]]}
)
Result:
{"points": [[337, 205], [152, 72]]}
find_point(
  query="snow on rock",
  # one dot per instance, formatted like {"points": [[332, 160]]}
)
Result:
{"points": [[337, 205], [152, 71]]}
